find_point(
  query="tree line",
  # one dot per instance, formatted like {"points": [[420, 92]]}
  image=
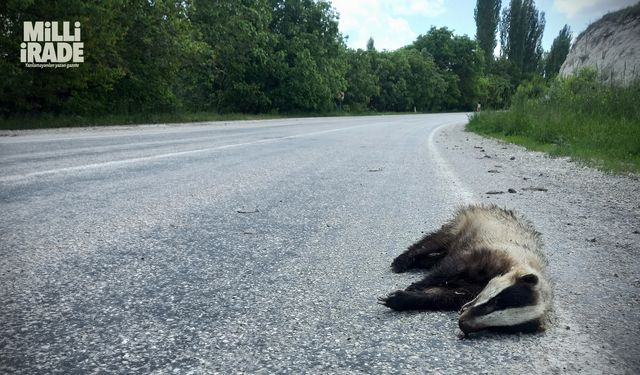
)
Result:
{"points": [[261, 56]]}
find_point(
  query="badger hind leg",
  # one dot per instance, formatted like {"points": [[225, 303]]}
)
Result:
{"points": [[433, 298], [433, 280], [423, 254]]}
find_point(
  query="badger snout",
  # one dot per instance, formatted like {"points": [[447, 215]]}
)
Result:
{"points": [[465, 323], [464, 327]]}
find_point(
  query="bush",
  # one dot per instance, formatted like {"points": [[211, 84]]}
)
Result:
{"points": [[575, 116]]}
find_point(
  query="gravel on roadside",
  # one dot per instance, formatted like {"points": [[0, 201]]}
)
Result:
{"points": [[590, 221]]}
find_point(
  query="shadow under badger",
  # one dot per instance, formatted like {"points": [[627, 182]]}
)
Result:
{"points": [[487, 263]]}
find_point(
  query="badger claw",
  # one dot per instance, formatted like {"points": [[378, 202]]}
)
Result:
{"points": [[386, 301], [395, 300]]}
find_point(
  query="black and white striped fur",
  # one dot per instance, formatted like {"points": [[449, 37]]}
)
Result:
{"points": [[487, 263]]}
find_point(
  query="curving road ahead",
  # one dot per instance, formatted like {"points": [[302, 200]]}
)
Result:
{"points": [[243, 247]]}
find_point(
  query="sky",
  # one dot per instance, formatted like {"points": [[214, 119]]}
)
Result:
{"points": [[396, 23]]}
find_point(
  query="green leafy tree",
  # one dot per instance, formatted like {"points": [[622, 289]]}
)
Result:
{"points": [[487, 17], [495, 92], [242, 54], [153, 53], [460, 62], [558, 52], [425, 83], [408, 79], [362, 82], [309, 50], [371, 45], [499, 86], [521, 30]]}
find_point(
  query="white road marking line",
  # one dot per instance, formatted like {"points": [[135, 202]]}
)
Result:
{"points": [[445, 169], [95, 149], [151, 129], [15, 178]]}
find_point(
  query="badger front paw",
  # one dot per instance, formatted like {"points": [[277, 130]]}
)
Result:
{"points": [[397, 300], [402, 263]]}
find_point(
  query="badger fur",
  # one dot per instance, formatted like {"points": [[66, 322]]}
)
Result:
{"points": [[487, 263]]}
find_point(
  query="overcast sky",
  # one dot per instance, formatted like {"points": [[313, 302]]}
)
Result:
{"points": [[395, 23]]}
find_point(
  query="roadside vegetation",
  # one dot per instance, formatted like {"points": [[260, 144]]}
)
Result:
{"points": [[164, 60], [577, 116]]}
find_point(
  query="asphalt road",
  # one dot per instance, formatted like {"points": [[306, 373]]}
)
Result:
{"points": [[253, 247]]}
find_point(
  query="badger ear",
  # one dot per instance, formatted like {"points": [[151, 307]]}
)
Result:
{"points": [[529, 279]]}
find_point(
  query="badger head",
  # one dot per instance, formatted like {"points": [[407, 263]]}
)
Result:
{"points": [[513, 302]]}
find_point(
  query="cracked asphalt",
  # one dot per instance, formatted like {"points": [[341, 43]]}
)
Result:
{"points": [[260, 247]]}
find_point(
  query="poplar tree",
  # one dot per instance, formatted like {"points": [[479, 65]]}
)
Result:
{"points": [[521, 30], [558, 52], [371, 45], [487, 16]]}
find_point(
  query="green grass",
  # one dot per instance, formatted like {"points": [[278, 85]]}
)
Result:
{"points": [[64, 121], [595, 124]]}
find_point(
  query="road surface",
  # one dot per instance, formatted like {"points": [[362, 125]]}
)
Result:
{"points": [[260, 247]]}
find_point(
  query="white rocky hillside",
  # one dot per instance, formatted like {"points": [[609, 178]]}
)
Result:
{"points": [[611, 45]]}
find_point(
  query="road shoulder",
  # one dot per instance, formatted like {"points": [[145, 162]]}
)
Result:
{"points": [[590, 221]]}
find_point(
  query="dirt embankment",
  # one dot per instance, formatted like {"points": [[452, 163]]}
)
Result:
{"points": [[611, 45]]}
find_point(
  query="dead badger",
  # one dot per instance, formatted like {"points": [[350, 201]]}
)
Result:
{"points": [[485, 262]]}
